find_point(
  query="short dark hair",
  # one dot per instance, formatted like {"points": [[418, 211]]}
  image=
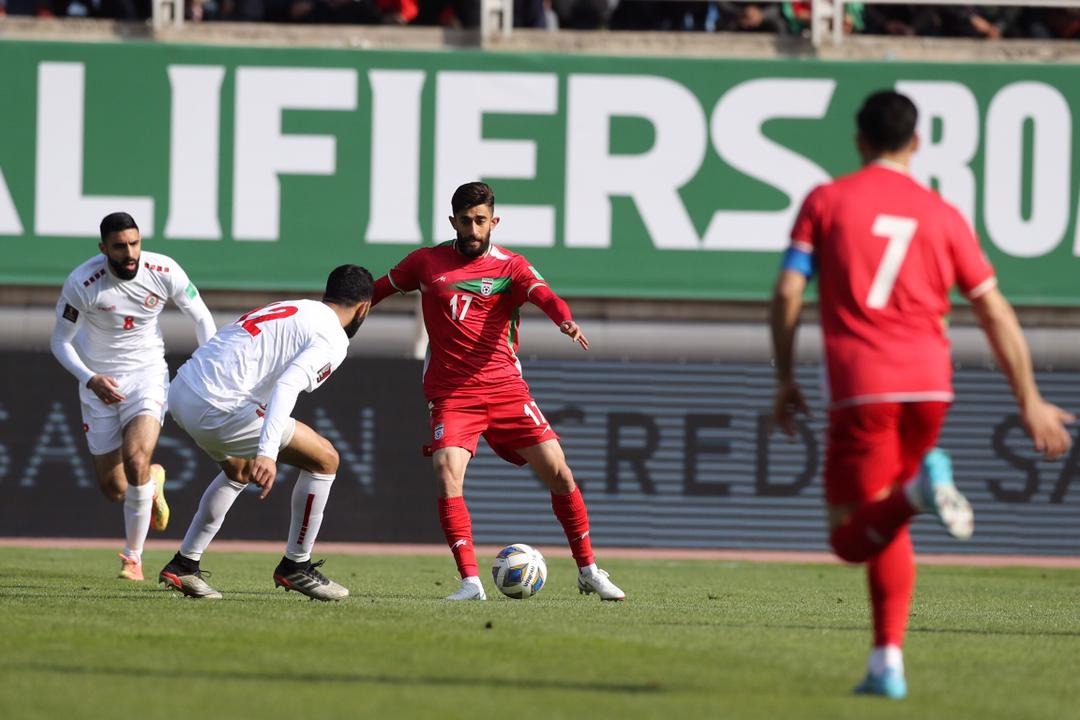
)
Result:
{"points": [[470, 195], [348, 285], [887, 120], [116, 222]]}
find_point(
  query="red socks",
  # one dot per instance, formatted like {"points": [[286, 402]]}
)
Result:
{"points": [[877, 533], [891, 576], [574, 516], [457, 526], [871, 527], [569, 509]]}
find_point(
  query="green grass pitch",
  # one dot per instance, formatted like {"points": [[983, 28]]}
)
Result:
{"points": [[696, 639]]}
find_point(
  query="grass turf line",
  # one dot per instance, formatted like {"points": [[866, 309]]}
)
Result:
{"points": [[696, 639]]}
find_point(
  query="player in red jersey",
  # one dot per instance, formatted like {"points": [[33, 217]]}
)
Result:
{"points": [[887, 252], [471, 294]]}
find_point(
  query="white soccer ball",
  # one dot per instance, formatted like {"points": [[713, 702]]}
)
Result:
{"points": [[519, 571]]}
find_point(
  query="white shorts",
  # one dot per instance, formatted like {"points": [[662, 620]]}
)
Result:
{"points": [[220, 433], [144, 394]]}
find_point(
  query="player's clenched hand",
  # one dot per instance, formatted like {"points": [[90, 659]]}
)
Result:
{"points": [[263, 472], [105, 388], [788, 401], [1045, 425], [571, 328]]}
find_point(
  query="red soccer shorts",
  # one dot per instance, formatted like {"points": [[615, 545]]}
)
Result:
{"points": [[873, 447], [508, 419]]}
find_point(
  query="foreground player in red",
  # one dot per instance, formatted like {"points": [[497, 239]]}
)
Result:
{"points": [[887, 252], [471, 294]]}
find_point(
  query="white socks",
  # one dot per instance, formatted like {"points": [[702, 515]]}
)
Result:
{"points": [[885, 658], [588, 569], [308, 502], [213, 506], [138, 506]]}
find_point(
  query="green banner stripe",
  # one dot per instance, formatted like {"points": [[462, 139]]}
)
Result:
{"points": [[674, 178]]}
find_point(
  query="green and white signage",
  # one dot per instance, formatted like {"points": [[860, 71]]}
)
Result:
{"points": [[621, 177]]}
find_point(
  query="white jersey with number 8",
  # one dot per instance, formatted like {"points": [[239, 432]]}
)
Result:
{"points": [[120, 333]]}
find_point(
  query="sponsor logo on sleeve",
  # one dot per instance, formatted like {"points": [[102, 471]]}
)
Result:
{"points": [[324, 373], [191, 291], [70, 313]]}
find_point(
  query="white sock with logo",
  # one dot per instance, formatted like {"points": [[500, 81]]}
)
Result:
{"points": [[588, 569], [138, 507], [309, 498], [214, 505], [886, 657]]}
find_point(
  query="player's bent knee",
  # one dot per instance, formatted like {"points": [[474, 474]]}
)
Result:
{"points": [[331, 466], [327, 461], [843, 547], [238, 471], [137, 466]]}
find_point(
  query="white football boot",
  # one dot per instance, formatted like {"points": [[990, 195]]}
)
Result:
{"points": [[471, 589], [937, 494], [598, 582]]}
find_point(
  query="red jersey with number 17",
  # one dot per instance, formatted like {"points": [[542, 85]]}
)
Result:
{"points": [[471, 312], [887, 251]]}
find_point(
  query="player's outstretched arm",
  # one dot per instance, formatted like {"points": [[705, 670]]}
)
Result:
{"points": [[384, 288], [200, 314], [1043, 421], [784, 313], [556, 308], [186, 297], [204, 321]]}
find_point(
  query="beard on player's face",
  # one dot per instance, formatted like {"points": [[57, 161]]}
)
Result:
{"points": [[352, 328], [125, 269], [475, 245]]}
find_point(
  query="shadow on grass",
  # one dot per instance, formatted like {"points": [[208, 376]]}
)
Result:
{"points": [[339, 678]]}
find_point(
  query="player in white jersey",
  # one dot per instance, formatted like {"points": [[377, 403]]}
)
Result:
{"points": [[107, 336], [234, 397]]}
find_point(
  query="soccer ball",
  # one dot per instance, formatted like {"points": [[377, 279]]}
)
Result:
{"points": [[519, 571]]}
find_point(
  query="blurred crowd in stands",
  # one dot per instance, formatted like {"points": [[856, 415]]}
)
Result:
{"points": [[787, 18]]}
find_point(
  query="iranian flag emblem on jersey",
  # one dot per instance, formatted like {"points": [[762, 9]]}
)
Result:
{"points": [[486, 286]]}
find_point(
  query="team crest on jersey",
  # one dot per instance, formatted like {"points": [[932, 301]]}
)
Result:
{"points": [[324, 372], [486, 286], [439, 431], [151, 301]]}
